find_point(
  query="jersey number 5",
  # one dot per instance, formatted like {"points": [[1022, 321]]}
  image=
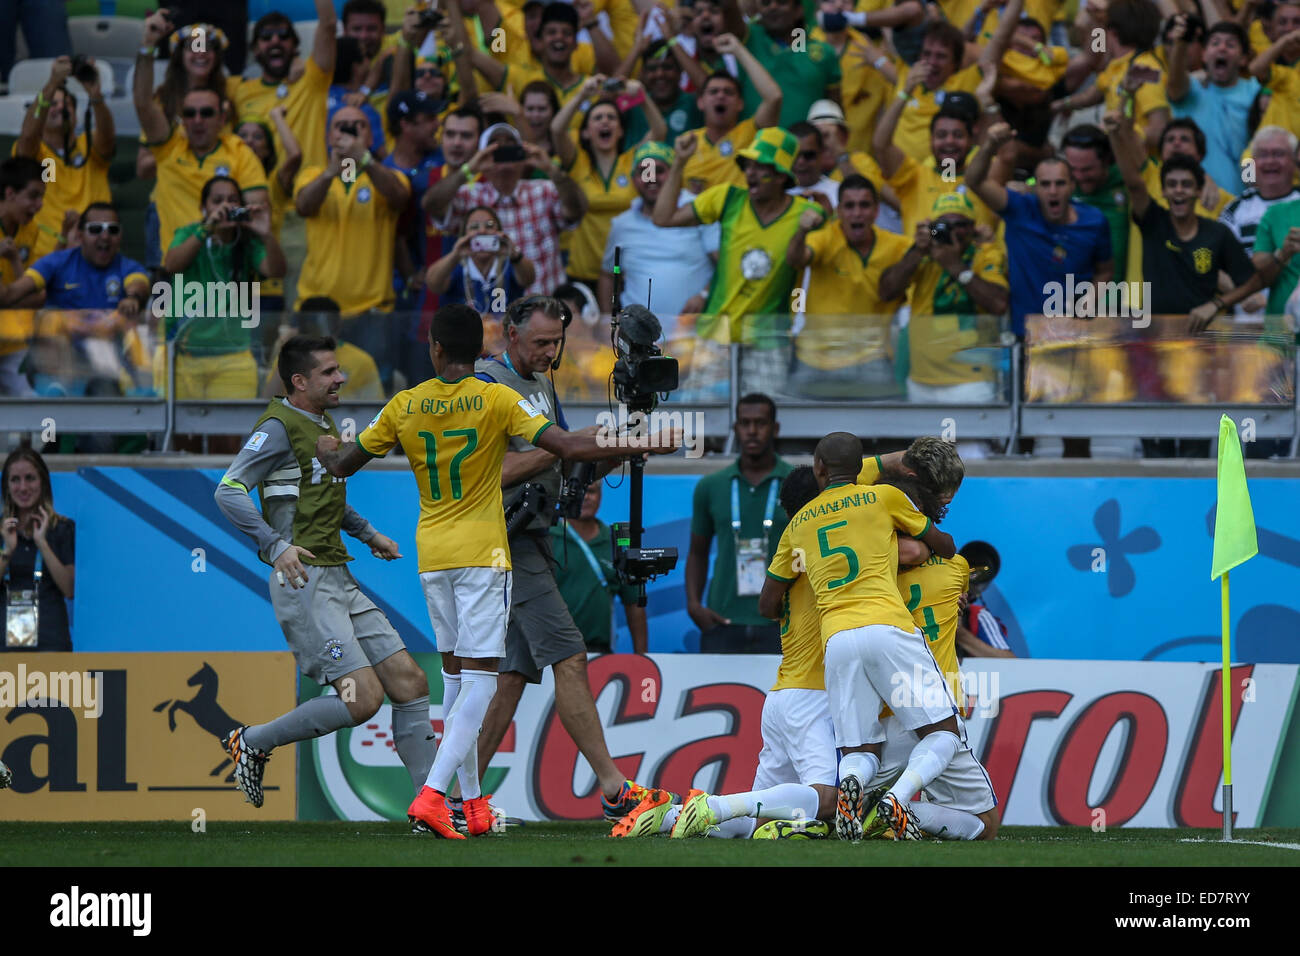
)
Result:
{"points": [[431, 459], [849, 555]]}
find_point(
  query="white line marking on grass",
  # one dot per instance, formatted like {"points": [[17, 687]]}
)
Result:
{"points": [[1280, 846]]}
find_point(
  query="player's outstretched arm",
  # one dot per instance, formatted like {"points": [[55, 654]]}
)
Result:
{"points": [[573, 446], [340, 460]]}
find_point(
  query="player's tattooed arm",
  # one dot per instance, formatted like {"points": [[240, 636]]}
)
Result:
{"points": [[340, 460]]}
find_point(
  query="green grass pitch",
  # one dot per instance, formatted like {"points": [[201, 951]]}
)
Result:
{"points": [[587, 844]]}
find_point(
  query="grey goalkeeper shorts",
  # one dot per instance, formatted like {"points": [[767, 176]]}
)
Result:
{"points": [[332, 628]]}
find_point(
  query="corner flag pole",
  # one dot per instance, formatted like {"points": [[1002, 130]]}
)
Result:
{"points": [[1227, 712], [1234, 543]]}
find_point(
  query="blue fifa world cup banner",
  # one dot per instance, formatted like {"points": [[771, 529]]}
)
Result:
{"points": [[1092, 568]]}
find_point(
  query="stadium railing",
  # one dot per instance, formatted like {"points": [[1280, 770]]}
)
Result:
{"points": [[97, 372]]}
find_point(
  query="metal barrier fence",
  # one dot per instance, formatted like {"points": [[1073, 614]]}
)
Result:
{"points": [[958, 377]]}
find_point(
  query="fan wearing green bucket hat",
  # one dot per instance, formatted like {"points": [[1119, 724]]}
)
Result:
{"points": [[749, 300], [958, 291]]}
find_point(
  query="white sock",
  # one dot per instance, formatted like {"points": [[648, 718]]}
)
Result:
{"points": [[462, 738], [785, 801], [929, 758], [450, 691], [666, 824], [739, 828], [860, 764], [945, 822]]}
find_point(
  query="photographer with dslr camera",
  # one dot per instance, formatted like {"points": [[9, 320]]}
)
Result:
{"points": [[231, 243], [541, 631], [954, 287], [484, 270], [77, 164]]}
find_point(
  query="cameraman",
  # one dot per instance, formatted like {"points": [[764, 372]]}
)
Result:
{"points": [[541, 631]]}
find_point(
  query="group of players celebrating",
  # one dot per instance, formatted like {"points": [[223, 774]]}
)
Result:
{"points": [[866, 588], [868, 593]]}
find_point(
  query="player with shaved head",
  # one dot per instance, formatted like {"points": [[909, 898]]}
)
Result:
{"points": [[845, 541]]}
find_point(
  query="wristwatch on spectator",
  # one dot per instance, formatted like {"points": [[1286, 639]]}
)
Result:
{"points": [[964, 277]]}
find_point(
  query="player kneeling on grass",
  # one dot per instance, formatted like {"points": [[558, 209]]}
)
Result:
{"points": [[794, 788], [455, 429], [337, 634], [961, 804], [845, 542]]}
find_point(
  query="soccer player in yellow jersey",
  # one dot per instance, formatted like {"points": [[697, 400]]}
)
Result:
{"points": [[794, 785], [845, 542], [454, 430], [962, 804]]}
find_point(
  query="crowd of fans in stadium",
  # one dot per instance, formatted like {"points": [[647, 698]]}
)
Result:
{"points": [[867, 198]]}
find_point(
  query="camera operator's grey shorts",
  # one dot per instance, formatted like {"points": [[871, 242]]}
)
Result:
{"points": [[541, 630], [332, 628]]}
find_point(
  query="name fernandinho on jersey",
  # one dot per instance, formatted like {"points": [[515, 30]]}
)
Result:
{"points": [[854, 499]]}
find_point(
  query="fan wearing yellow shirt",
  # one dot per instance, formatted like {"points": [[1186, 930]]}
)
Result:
{"points": [[1026, 76], [21, 193], [842, 348], [77, 164], [191, 153], [556, 45], [1277, 67], [1132, 80], [869, 73], [947, 64], [454, 430], [351, 221], [845, 542], [956, 289], [304, 99], [601, 164], [724, 134], [918, 185]]}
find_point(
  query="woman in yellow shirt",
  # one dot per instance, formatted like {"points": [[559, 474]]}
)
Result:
{"points": [[602, 167]]}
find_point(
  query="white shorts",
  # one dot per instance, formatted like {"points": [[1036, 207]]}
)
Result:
{"points": [[880, 664], [963, 785], [469, 609], [798, 739]]}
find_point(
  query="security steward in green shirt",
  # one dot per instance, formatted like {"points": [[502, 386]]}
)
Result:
{"points": [[738, 506]]}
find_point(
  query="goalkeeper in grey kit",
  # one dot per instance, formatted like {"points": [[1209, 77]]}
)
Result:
{"points": [[337, 634]]}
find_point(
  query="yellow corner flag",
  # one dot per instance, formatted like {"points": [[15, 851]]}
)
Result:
{"points": [[1234, 520]]}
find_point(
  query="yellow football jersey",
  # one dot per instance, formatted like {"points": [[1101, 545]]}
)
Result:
{"points": [[182, 174], [1149, 96], [871, 468], [845, 541], [350, 244], [918, 184], [802, 662], [606, 198], [305, 102], [912, 135], [931, 591], [74, 182], [715, 163], [455, 436]]}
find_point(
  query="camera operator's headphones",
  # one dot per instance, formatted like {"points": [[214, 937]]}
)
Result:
{"points": [[519, 311]]}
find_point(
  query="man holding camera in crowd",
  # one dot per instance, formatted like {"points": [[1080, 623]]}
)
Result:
{"points": [[533, 212], [541, 631], [738, 506], [77, 164]]}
